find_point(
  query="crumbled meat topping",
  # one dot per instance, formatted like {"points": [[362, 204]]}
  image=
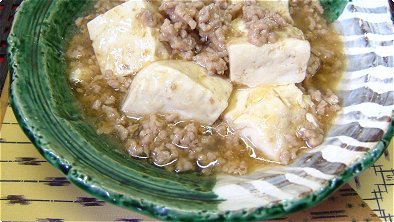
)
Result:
{"points": [[314, 64], [182, 43], [149, 18], [324, 104], [261, 24]]}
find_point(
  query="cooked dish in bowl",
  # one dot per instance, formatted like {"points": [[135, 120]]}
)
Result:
{"points": [[208, 86], [45, 104]]}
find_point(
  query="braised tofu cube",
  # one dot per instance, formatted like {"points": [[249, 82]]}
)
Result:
{"points": [[122, 43], [181, 87], [280, 63], [264, 115]]}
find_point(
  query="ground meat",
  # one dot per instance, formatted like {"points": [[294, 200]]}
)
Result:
{"points": [[213, 61], [149, 18], [122, 132], [191, 25], [118, 83], [213, 23], [314, 22], [287, 155], [110, 100], [77, 53], [96, 105], [183, 165], [183, 146], [164, 155], [314, 64], [325, 104], [180, 40], [292, 146], [313, 136], [111, 112], [235, 10], [308, 132], [182, 11], [238, 167], [261, 24]]}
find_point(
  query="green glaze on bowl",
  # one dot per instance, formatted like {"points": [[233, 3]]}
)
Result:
{"points": [[333, 8], [50, 115]]}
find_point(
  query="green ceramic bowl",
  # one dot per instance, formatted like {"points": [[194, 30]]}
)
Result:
{"points": [[51, 117]]}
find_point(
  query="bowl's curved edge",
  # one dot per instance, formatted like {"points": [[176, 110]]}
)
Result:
{"points": [[151, 209]]}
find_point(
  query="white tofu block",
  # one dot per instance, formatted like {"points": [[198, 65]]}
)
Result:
{"points": [[262, 116], [280, 63], [181, 87], [121, 42]]}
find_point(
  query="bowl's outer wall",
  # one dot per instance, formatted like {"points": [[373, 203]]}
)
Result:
{"points": [[49, 114]]}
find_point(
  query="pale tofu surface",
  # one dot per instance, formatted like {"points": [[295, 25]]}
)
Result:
{"points": [[122, 44], [181, 87], [280, 63], [262, 116]]}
